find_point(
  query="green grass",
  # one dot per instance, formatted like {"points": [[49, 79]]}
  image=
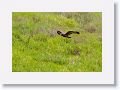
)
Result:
{"points": [[36, 47]]}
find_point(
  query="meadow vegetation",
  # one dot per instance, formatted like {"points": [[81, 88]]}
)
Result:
{"points": [[36, 46]]}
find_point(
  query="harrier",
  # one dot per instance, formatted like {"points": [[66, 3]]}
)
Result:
{"points": [[67, 34]]}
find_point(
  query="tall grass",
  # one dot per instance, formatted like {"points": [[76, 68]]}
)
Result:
{"points": [[36, 47]]}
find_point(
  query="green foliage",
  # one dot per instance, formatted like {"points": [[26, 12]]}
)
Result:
{"points": [[36, 47]]}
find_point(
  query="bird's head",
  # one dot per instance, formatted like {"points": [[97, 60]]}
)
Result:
{"points": [[59, 32]]}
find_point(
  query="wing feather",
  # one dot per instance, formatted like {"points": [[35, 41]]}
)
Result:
{"points": [[71, 32]]}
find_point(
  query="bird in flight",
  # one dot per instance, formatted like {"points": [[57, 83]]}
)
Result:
{"points": [[67, 34]]}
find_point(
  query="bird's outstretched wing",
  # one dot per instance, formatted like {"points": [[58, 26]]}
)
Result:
{"points": [[71, 32]]}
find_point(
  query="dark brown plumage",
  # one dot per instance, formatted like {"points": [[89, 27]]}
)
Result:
{"points": [[67, 34]]}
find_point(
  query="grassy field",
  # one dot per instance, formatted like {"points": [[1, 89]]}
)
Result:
{"points": [[36, 46]]}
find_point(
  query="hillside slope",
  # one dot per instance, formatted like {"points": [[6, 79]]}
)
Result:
{"points": [[36, 47]]}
